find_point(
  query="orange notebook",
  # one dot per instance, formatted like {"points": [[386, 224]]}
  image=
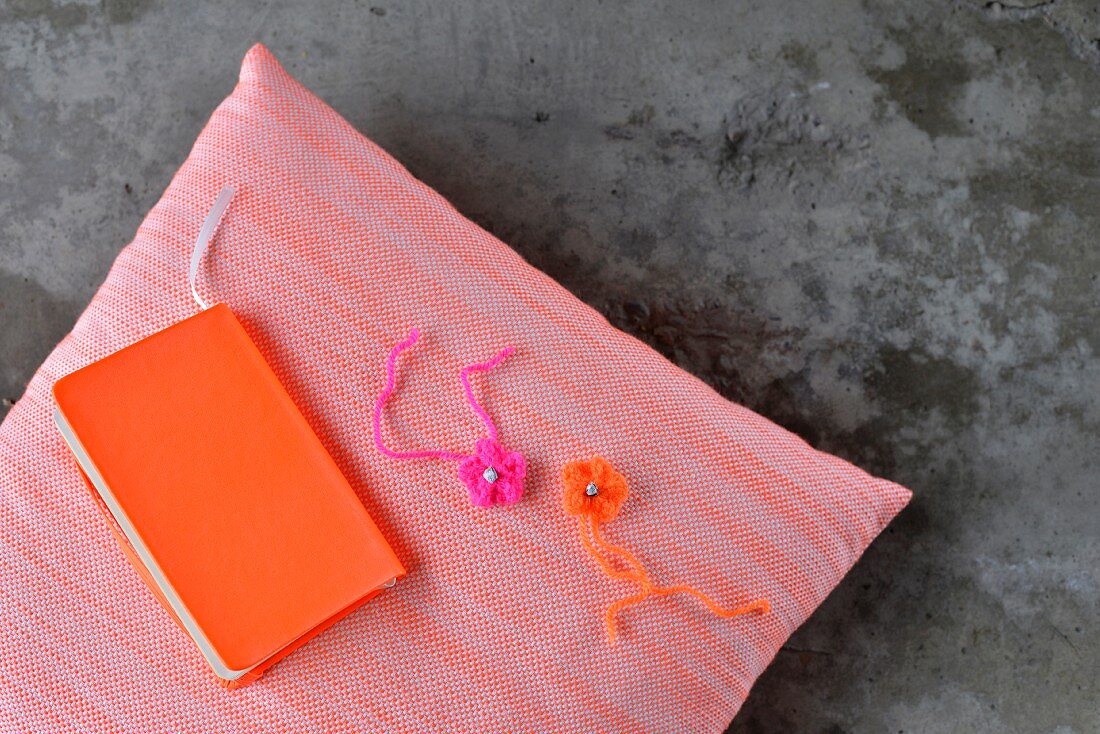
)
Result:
{"points": [[220, 494]]}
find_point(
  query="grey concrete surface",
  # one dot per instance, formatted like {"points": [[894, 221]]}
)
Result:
{"points": [[874, 222]]}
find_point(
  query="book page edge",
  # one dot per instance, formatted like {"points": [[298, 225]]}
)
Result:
{"points": [[190, 625]]}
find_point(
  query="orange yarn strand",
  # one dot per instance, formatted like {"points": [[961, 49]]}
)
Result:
{"points": [[603, 551], [594, 543], [586, 531], [614, 609], [760, 605], [623, 553]]}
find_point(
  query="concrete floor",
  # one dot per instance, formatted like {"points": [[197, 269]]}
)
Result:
{"points": [[874, 222]]}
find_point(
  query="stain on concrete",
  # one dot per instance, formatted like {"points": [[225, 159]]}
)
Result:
{"points": [[122, 12], [60, 16], [1076, 20], [927, 87], [917, 383]]}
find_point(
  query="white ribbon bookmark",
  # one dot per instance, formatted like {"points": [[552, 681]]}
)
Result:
{"points": [[206, 233]]}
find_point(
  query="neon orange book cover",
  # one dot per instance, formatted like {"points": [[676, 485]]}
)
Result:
{"points": [[221, 493]]}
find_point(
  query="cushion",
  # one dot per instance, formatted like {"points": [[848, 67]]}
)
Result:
{"points": [[330, 253]]}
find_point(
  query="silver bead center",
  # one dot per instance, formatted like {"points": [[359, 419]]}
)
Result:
{"points": [[490, 475], [591, 490]]}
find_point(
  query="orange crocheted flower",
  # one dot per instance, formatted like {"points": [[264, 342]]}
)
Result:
{"points": [[594, 491], [593, 488]]}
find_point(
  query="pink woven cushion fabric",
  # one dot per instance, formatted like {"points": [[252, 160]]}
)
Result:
{"points": [[330, 252]]}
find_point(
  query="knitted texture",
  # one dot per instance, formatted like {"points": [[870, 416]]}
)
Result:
{"points": [[328, 253]]}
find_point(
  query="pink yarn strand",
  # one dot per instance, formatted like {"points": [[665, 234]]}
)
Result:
{"points": [[380, 404], [391, 382], [465, 377]]}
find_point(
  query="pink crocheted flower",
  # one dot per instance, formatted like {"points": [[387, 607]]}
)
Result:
{"points": [[494, 475]]}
